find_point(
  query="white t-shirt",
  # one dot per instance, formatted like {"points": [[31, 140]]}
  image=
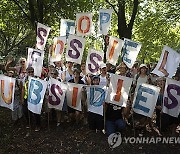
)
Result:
{"points": [[140, 80], [68, 76], [103, 81]]}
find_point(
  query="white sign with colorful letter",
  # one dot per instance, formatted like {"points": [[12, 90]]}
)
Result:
{"points": [[96, 98], [36, 92], [145, 99], [84, 24], [58, 48], [171, 103], [57, 91], [168, 63], [75, 49], [67, 27], [94, 59], [35, 60], [7, 88], [114, 49], [130, 52], [104, 20], [118, 90], [74, 94], [42, 35]]}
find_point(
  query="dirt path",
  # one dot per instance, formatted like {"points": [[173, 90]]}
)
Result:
{"points": [[68, 138]]}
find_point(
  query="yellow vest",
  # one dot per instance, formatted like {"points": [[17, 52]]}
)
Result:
{"points": [[26, 90]]}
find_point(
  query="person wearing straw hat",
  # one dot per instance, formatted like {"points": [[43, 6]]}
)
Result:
{"points": [[121, 69]]}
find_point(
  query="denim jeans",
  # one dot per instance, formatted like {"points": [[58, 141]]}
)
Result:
{"points": [[114, 126]]}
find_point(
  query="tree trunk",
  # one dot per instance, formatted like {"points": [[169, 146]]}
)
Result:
{"points": [[124, 29]]}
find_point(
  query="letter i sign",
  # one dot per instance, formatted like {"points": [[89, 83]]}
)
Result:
{"points": [[118, 92]]}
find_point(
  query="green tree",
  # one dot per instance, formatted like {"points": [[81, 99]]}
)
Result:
{"points": [[126, 13]]}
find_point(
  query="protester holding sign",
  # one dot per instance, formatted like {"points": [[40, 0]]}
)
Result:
{"points": [[140, 78], [114, 119], [28, 114], [171, 105], [160, 83], [72, 112], [121, 69], [95, 120], [54, 74], [17, 107]]}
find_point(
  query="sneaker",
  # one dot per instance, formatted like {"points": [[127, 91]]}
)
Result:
{"points": [[37, 129], [58, 124], [27, 127]]}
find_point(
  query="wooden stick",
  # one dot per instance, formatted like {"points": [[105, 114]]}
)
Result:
{"points": [[160, 122], [133, 125], [29, 120], [104, 131], [48, 121]]}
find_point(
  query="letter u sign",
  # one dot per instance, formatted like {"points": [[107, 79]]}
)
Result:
{"points": [[7, 100]]}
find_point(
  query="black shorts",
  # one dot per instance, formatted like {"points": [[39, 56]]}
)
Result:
{"points": [[95, 121], [71, 110], [168, 120]]}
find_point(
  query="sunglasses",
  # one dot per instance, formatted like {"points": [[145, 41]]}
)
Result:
{"points": [[30, 71], [54, 74]]}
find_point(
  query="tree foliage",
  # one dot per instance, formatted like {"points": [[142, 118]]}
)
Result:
{"points": [[153, 23]]}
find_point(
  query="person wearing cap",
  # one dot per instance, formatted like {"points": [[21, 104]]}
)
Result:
{"points": [[114, 113], [67, 75], [95, 121], [104, 76], [122, 71], [141, 77]]}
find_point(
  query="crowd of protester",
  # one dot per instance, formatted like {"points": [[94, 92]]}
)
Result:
{"points": [[115, 118]]}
